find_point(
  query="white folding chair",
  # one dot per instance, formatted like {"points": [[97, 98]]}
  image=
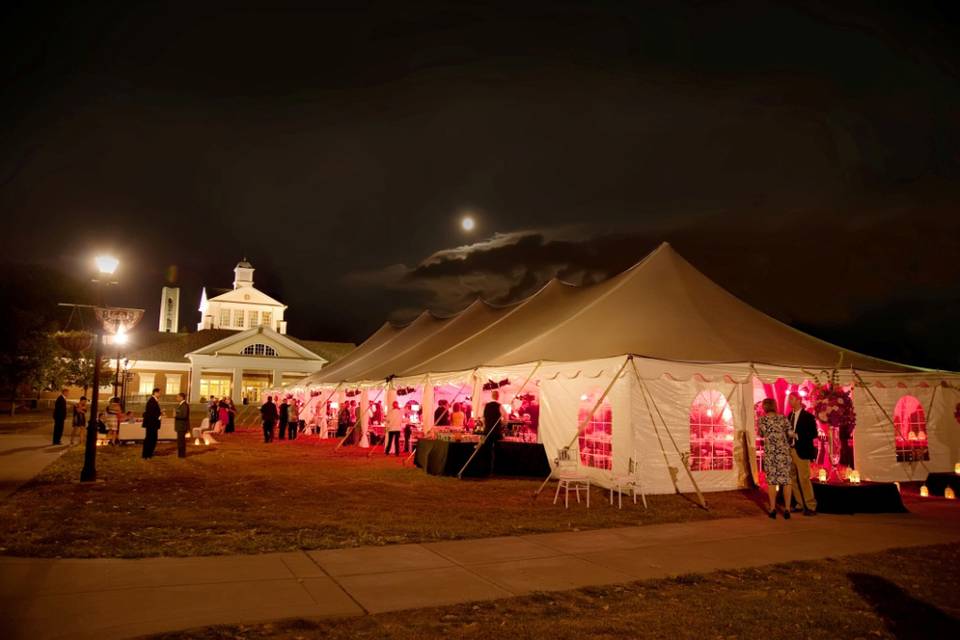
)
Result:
{"points": [[620, 482], [569, 477]]}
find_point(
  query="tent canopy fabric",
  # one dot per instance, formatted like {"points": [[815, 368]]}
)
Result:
{"points": [[662, 308]]}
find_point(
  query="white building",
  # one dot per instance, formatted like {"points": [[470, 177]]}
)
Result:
{"points": [[243, 307], [239, 349]]}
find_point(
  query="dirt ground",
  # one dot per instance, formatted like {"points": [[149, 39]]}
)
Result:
{"points": [[241, 496]]}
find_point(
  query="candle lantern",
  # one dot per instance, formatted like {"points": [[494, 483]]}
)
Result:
{"points": [[924, 492], [822, 475], [949, 494], [854, 477], [956, 468]]}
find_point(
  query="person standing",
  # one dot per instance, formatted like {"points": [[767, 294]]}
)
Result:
{"points": [[79, 419], [293, 420], [805, 426], [151, 423], [441, 415], [776, 432], [268, 414], [231, 416], [493, 417], [59, 415], [212, 409], [284, 417], [181, 424], [343, 420], [394, 426]]}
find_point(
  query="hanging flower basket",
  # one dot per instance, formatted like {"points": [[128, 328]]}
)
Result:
{"points": [[74, 341]]}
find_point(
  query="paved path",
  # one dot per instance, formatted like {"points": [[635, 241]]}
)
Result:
{"points": [[26, 452], [104, 599]]}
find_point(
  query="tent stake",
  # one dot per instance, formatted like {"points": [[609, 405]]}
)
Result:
{"points": [[586, 420]]}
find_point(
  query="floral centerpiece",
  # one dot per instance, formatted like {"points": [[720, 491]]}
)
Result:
{"points": [[833, 405]]}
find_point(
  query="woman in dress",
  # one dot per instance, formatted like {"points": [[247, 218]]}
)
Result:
{"points": [[458, 418], [777, 434], [79, 419]]}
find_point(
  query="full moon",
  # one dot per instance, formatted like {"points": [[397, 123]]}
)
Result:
{"points": [[467, 223]]}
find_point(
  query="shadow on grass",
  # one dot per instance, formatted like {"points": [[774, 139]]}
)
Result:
{"points": [[904, 616]]}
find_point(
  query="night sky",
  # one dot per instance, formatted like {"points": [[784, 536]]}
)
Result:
{"points": [[805, 156]]}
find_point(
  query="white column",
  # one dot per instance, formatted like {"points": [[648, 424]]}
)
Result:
{"points": [[236, 393], [277, 379], [195, 373]]}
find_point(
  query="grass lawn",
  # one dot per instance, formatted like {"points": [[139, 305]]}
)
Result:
{"points": [[242, 496], [904, 593]]}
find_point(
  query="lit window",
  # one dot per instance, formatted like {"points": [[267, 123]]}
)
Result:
{"points": [[146, 383], [238, 318], [596, 439], [173, 384], [267, 318], [910, 424], [254, 318], [225, 317], [711, 433], [259, 349]]}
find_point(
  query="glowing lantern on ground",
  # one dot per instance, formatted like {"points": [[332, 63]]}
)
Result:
{"points": [[924, 492], [854, 477], [956, 468], [822, 475], [196, 442], [949, 494]]}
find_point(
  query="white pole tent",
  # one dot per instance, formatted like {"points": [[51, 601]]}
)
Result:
{"points": [[682, 362]]}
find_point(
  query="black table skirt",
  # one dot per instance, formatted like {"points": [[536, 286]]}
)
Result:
{"points": [[521, 459], [937, 482], [446, 458], [866, 497]]}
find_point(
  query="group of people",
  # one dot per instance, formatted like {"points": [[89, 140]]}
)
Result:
{"points": [[286, 416], [223, 413], [152, 417], [788, 449]]}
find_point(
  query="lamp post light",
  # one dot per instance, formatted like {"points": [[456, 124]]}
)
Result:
{"points": [[106, 266]]}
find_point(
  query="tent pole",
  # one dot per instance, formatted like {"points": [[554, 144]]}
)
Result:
{"points": [[683, 458], [483, 440], [379, 393], [586, 420]]}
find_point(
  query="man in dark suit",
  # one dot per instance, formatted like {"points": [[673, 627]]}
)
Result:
{"points": [[441, 415], [59, 415], [805, 426], [181, 424], [284, 417], [151, 423], [268, 413]]}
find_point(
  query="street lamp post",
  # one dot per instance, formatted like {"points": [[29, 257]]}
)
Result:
{"points": [[106, 266]]}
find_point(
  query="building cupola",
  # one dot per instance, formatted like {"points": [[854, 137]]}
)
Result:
{"points": [[243, 274]]}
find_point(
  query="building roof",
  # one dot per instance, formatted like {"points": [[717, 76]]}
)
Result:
{"points": [[173, 347]]}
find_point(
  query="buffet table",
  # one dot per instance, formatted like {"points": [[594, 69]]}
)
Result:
{"points": [[447, 457], [865, 497]]}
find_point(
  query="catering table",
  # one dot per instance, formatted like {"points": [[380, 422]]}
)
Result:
{"points": [[865, 497], [520, 459], [132, 431], [937, 482], [447, 457]]}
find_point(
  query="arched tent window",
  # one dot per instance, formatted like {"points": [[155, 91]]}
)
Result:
{"points": [[910, 424], [596, 439], [259, 349], [711, 432]]}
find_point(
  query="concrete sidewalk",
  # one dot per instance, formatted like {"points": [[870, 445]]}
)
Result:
{"points": [[124, 598], [26, 453]]}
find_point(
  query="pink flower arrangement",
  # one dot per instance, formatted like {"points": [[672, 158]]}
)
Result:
{"points": [[833, 405]]}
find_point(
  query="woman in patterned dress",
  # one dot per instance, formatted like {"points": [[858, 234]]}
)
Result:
{"points": [[777, 434]]}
